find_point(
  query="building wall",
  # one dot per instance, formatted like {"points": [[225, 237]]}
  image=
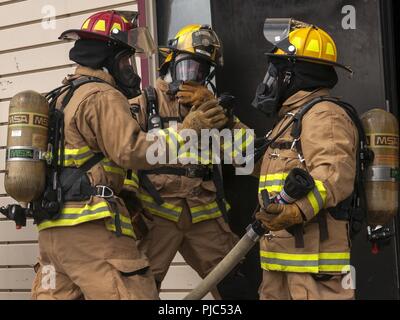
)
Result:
{"points": [[31, 57]]}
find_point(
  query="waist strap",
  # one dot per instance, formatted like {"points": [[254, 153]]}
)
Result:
{"points": [[189, 172]]}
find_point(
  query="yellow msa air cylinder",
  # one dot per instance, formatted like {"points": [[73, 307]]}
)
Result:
{"points": [[26, 146], [382, 183]]}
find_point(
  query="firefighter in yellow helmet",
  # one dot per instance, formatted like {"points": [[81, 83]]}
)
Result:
{"points": [[187, 201], [306, 254], [86, 235]]}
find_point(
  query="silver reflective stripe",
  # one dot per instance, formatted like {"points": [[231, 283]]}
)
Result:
{"points": [[318, 198], [159, 208], [124, 225], [84, 213], [329, 262], [205, 212], [78, 156], [290, 263], [272, 183]]}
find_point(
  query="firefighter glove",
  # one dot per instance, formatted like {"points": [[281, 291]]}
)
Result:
{"points": [[208, 115], [193, 94], [278, 217]]}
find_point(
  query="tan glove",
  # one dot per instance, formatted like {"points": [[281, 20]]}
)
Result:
{"points": [[208, 115], [193, 94], [278, 217]]}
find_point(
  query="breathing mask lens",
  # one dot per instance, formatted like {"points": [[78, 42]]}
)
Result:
{"points": [[267, 95], [125, 74], [192, 70]]}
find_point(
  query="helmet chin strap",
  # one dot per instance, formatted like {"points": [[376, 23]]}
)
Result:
{"points": [[168, 77], [209, 79]]}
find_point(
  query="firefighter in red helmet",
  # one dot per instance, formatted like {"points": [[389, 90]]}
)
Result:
{"points": [[90, 243]]}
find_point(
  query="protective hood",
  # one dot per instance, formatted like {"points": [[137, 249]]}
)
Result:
{"points": [[285, 78]]}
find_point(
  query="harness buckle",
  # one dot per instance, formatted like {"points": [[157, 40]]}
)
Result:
{"points": [[294, 143], [104, 192], [301, 158], [269, 236], [192, 172], [268, 134], [275, 155]]}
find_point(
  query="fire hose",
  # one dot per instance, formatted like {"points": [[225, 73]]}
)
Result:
{"points": [[297, 185]]}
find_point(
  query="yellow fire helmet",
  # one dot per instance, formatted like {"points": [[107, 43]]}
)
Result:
{"points": [[198, 40], [301, 41]]}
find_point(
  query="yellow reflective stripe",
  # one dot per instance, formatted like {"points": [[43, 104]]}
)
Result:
{"points": [[75, 152], [131, 183], [289, 256], [285, 262], [125, 231], [207, 212], [334, 262], [335, 256], [311, 263], [75, 216], [166, 210], [76, 157], [169, 206], [116, 170], [281, 268], [272, 182], [111, 167], [126, 225], [162, 214], [173, 139], [317, 197], [237, 137], [207, 217]]}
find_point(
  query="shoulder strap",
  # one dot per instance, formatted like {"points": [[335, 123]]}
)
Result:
{"points": [[75, 84], [154, 120], [298, 117]]}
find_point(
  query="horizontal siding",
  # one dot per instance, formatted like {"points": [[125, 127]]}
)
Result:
{"points": [[34, 35], [18, 254], [2, 159], [33, 58], [16, 278], [4, 112], [39, 81], [29, 11], [15, 295], [2, 189], [8, 233]]}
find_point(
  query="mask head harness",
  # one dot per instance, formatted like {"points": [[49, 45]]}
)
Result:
{"points": [[192, 56]]}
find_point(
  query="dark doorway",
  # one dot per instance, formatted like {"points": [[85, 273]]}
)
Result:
{"points": [[369, 48]]}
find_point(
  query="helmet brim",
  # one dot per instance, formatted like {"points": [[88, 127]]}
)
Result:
{"points": [[77, 34], [312, 60], [165, 51]]}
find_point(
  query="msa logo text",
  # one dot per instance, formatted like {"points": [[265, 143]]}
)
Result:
{"points": [[19, 119], [40, 121], [391, 141]]}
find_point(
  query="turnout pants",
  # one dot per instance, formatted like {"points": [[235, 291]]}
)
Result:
{"points": [[299, 286], [203, 245], [89, 262]]}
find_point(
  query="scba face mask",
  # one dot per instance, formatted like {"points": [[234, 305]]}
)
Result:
{"points": [[185, 69], [192, 70], [125, 74], [270, 92]]}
